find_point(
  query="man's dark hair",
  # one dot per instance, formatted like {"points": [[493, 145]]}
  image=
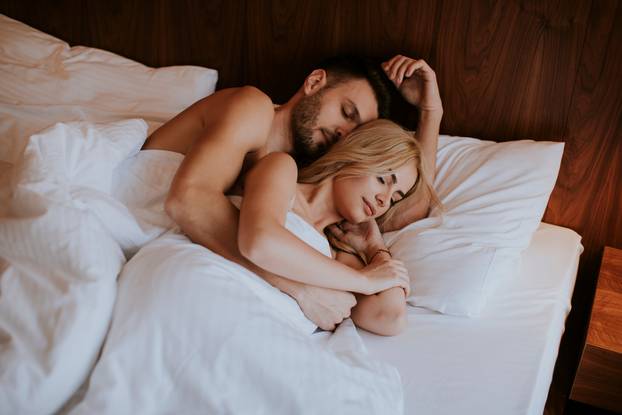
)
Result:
{"points": [[346, 67]]}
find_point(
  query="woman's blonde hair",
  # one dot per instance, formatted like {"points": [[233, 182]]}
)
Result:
{"points": [[375, 148]]}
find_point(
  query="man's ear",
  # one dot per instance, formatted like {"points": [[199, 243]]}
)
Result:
{"points": [[315, 81]]}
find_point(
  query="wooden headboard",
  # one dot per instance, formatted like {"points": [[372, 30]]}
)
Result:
{"points": [[507, 70]]}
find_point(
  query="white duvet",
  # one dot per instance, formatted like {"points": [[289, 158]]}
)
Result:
{"points": [[190, 332]]}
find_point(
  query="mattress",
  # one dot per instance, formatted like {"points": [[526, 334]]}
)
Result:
{"points": [[501, 362]]}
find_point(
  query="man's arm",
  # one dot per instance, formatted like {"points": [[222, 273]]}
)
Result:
{"points": [[418, 205], [224, 127], [238, 123], [417, 83]]}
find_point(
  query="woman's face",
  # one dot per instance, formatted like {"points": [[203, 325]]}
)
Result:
{"points": [[358, 199]]}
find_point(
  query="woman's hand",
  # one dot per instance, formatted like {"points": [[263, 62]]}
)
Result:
{"points": [[365, 238], [382, 275], [416, 81]]}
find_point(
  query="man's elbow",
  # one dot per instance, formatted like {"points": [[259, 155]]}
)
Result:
{"points": [[174, 206], [182, 202]]}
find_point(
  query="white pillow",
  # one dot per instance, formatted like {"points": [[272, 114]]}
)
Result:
{"points": [[494, 196], [44, 81]]}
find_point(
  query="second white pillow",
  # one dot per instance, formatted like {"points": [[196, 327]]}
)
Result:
{"points": [[494, 196]]}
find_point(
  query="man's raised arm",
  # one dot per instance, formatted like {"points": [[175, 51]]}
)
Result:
{"points": [[416, 81]]}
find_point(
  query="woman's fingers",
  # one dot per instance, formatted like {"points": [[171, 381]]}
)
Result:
{"points": [[336, 231], [403, 279]]}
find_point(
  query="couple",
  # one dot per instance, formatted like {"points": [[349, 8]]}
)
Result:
{"points": [[370, 166]]}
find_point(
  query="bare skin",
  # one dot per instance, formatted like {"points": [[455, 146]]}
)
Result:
{"points": [[264, 239], [224, 134]]}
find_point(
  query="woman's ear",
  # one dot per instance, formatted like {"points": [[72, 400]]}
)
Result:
{"points": [[315, 81]]}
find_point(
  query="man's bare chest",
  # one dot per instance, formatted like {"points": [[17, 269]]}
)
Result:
{"points": [[250, 160]]}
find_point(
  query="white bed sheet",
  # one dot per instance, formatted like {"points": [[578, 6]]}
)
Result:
{"points": [[501, 362]]}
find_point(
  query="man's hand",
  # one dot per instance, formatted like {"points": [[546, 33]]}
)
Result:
{"points": [[365, 238], [416, 81], [325, 307]]}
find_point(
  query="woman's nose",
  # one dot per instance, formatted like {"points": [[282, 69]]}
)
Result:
{"points": [[381, 200]]}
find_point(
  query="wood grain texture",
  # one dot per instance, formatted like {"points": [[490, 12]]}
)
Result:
{"points": [[286, 39], [599, 379], [588, 191], [507, 70], [605, 328]]}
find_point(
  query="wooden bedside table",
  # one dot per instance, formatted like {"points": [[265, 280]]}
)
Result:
{"points": [[598, 381]]}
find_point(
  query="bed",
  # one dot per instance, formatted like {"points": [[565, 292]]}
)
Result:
{"points": [[501, 362], [72, 122]]}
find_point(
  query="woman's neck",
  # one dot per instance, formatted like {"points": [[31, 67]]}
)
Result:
{"points": [[316, 204]]}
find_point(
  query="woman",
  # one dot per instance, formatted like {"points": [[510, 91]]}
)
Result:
{"points": [[357, 181]]}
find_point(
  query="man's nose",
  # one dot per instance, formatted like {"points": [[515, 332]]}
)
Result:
{"points": [[339, 133], [342, 131]]}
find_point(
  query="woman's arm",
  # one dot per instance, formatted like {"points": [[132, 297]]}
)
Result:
{"points": [[264, 240], [383, 313]]}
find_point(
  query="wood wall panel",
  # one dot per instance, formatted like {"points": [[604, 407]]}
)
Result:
{"points": [[507, 69], [288, 38], [589, 188], [275, 34]]}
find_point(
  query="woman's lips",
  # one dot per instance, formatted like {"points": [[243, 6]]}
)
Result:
{"points": [[369, 209]]}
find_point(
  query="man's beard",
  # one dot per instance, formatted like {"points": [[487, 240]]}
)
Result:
{"points": [[304, 120]]}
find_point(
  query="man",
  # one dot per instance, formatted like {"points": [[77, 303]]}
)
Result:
{"points": [[224, 134]]}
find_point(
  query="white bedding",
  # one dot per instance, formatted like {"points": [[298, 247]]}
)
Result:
{"points": [[191, 331], [188, 322], [59, 261], [501, 362], [195, 333]]}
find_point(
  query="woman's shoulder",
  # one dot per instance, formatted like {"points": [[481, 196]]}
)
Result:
{"points": [[279, 161], [275, 172]]}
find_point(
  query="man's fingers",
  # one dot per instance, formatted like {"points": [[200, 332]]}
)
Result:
{"points": [[328, 327], [392, 66], [395, 69], [413, 66], [406, 67], [396, 64], [387, 65]]}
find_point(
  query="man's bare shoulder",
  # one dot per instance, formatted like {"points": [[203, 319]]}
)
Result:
{"points": [[243, 115], [245, 101]]}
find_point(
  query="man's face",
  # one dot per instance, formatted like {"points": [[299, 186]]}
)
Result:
{"points": [[320, 119]]}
